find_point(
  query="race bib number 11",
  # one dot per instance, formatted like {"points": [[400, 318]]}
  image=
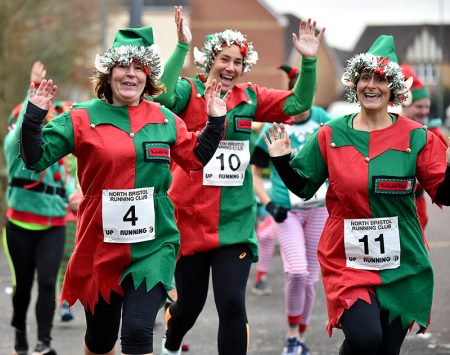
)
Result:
{"points": [[128, 215], [372, 243]]}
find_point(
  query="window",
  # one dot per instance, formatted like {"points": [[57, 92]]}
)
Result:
{"points": [[427, 72]]}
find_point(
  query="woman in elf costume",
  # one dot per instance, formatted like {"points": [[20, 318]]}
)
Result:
{"points": [[377, 275], [127, 239], [216, 207], [298, 226], [35, 233]]}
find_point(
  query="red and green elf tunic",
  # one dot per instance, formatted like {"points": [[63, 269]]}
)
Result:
{"points": [[34, 199], [371, 178], [213, 216], [421, 204], [119, 147]]}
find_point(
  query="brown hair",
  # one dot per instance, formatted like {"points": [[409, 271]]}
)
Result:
{"points": [[102, 87]]}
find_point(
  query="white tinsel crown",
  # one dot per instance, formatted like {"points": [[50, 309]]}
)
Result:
{"points": [[216, 42], [132, 44], [125, 54]]}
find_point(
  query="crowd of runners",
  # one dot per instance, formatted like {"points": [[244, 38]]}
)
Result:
{"points": [[160, 183]]}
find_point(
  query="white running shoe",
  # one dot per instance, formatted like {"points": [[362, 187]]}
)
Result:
{"points": [[292, 346], [164, 351]]}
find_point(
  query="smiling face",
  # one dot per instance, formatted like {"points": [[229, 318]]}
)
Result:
{"points": [[227, 67], [373, 91], [127, 84], [418, 110]]}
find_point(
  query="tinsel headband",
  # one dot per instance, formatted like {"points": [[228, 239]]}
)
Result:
{"points": [[216, 42], [378, 65], [380, 59], [148, 56]]}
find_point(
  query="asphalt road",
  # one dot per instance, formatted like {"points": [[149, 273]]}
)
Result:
{"points": [[265, 313]]}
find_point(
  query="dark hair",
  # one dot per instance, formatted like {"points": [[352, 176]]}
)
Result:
{"points": [[102, 87]]}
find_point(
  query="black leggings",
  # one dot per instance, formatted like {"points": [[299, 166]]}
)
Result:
{"points": [[32, 251], [140, 308], [367, 330], [230, 268]]}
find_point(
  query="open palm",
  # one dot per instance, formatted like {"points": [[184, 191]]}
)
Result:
{"points": [[216, 106], [42, 98], [307, 42], [278, 142], [183, 30]]}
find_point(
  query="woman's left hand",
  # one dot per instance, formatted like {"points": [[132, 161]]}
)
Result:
{"points": [[44, 94], [216, 106], [307, 43], [183, 31]]}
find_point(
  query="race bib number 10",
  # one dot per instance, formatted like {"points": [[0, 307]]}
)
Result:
{"points": [[228, 165], [128, 215], [372, 243]]}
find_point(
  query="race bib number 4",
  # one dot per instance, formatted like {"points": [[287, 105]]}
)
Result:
{"points": [[228, 165], [372, 243], [128, 216]]}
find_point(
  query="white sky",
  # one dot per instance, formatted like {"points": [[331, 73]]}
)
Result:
{"points": [[345, 20]]}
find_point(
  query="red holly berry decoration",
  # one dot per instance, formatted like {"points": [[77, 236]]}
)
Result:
{"points": [[382, 63], [243, 49], [57, 176], [202, 77]]}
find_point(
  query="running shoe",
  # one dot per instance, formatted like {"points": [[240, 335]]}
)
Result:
{"points": [[261, 288], [43, 349], [64, 313], [305, 349], [292, 346], [165, 351]]}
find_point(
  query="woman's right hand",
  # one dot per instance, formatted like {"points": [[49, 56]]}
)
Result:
{"points": [[183, 31], [38, 72], [216, 106], [42, 98], [279, 143]]}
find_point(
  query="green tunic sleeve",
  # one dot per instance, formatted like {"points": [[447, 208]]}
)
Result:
{"points": [[310, 165], [57, 141], [304, 89], [172, 71], [12, 138], [182, 96]]}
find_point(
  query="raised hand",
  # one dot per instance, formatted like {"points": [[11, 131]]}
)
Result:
{"points": [[307, 43], [44, 94], [279, 143], [216, 106], [183, 31], [38, 72]]}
